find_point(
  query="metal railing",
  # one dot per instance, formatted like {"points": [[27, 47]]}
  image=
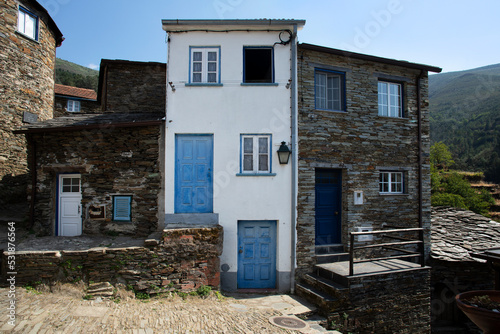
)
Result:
{"points": [[403, 241]]}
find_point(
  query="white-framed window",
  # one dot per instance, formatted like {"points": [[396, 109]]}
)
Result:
{"points": [[390, 99], [329, 90], [27, 23], [205, 65], [256, 154], [73, 106], [391, 182], [258, 65]]}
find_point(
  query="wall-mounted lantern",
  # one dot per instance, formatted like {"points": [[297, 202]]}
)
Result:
{"points": [[284, 153]]}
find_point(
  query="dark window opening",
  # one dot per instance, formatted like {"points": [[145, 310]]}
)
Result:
{"points": [[258, 66]]}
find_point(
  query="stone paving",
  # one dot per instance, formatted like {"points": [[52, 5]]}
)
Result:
{"points": [[66, 311]]}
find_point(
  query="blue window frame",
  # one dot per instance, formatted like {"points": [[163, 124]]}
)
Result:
{"points": [[204, 65], [255, 155], [27, 23], [390, 99], [122, 208], [258, 65], [73, 106], [329, 90]]}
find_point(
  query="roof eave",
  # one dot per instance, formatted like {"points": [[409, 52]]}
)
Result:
{"points": [[362, 56]]}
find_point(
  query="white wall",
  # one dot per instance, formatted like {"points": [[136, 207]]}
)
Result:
{"points": [[226, 112]]}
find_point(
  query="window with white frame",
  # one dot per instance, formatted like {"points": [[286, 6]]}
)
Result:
{"points": [[329, 90], [205, 65], [27, 23], [390, 101], [73, 106], [391, 182], [255, 154]]}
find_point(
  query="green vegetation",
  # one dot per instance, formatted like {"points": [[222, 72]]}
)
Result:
{"points": [[71, 74], [465, 114], [450, 188]]}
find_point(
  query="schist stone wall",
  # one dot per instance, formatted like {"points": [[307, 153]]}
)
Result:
{"points": [[129, 86], [183, 259], [360, 143], [391, 303], [26, 83], [112, 161]]}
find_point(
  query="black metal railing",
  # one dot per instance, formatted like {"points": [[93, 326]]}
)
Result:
{"points": [[394, 246]]}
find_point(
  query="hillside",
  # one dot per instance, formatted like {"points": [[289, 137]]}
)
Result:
{"points": [[465, 115], [71, 74]]}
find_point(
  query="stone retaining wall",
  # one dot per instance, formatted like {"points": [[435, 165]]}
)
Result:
{"points": [[391, 303], [183, 259]]}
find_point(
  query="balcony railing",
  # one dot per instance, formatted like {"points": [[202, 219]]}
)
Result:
{"points": [[393, 246]]}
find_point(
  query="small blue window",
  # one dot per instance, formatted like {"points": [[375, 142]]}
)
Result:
{"points": [[330, 90], [258, 65], [122, 208], [27, 23]]}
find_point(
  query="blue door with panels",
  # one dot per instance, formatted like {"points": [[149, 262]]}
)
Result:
{"points": [[328, 191], [193, 174], [256, 254]]}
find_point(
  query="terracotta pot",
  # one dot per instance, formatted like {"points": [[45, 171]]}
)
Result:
{"points": [[488, 321]]}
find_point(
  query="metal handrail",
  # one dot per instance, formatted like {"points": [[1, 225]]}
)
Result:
{"points": [[419, 242]]}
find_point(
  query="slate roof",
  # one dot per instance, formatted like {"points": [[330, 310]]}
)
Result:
{"points": [[94, 121], [83, 93], [456, 232]]}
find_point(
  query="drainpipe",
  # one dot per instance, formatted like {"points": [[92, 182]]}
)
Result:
{"points": [[293, 87], [420, 160]]}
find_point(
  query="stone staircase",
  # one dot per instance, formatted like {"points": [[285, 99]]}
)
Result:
{"points": [[326, 289]]}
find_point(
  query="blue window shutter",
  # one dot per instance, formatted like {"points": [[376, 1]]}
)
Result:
{"points": [[122, 208]]}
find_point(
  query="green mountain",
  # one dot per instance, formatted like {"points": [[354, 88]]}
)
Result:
{"points": [[465, 115], [71, 74]]}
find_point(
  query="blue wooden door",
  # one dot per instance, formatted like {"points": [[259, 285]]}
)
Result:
{"points": [[193, 173], [256, 255], [328, 190]]}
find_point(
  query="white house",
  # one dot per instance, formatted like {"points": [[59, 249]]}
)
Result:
{"points": [[231, 102]]}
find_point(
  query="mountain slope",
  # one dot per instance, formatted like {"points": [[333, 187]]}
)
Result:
{"points": [[465, 115], [71, 74]]}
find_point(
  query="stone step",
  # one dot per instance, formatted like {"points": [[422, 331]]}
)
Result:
{"points": [[327, 286], [324, 301], [329, 258], [332, 276]]}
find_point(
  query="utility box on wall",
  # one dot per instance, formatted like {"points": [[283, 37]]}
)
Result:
{"points": [[368, 237], [358, 197]]}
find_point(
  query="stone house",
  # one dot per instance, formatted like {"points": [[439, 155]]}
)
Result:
{"points": [[231, 104], [101, 173], [363, 167], [68, 99], [28, 41]]}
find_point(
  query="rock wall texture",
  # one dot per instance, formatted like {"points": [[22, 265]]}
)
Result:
{"points": [[112, 161], [391, 303], [183, 259], [129, 86], [360, 143], [26, 83]]}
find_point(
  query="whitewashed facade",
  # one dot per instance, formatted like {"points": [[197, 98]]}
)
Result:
{"points": [[231, 101]]}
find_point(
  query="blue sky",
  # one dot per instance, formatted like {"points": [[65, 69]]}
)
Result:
{"points": [[454, 35]]}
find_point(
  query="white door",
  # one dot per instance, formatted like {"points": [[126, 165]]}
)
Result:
{"points": [[70, 208]]}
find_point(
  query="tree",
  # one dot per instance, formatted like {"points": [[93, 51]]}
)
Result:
{"points": [[441, 156]]}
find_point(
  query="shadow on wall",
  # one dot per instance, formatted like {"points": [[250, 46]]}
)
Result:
{"points": [[14, 204]]}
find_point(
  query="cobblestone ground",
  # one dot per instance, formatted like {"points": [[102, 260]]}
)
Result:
{"points": [[67, 312]]}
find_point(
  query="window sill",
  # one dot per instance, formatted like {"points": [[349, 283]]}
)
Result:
{"points": [[27, 37], [392, 194], [203, 84], [259, 84], [329, 110], [393, 117], [256, 174]]}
